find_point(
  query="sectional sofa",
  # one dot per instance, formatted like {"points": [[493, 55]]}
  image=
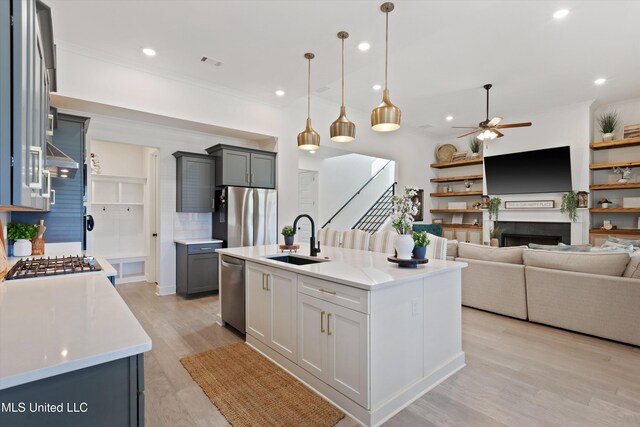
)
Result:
{"points": [[592, 293]]}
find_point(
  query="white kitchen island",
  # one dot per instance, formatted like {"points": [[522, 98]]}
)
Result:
{"points": [[367, 335]]}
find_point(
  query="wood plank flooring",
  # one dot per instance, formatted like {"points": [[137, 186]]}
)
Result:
{"points": [[518, 373]]}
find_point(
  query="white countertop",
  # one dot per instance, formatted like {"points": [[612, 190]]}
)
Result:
{"points": [[197, 241], [361, 269], [59, 324], [107, 268]]}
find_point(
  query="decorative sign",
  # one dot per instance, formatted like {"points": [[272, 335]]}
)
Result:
{"points": [[531, 204]]}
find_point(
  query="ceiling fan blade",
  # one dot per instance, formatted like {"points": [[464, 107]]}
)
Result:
{"points": [[470, 133], [514, 125], [464, 127], [494, 121], [500, 134]]}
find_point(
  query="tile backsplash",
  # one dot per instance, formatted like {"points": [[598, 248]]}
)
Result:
{"points": [[191, 225]]}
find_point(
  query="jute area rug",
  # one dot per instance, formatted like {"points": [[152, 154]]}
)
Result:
{"points": [[249, 390]]}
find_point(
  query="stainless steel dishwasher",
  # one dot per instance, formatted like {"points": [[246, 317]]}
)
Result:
{"points": [[232, 292]]}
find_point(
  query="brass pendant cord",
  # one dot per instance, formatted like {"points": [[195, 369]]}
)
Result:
{"points": [[342, 73], [309, 91], [386, 48]]}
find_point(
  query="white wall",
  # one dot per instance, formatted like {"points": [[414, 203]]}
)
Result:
{"points": [[119, 159], [5, 217]]}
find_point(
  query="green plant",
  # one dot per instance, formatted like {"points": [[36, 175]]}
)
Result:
{"points": [[475, 145], [494, 207], [17, 231], [608, 121], [495, 233], [288, 230], [570, 205], [420, 238], [604, 200]]}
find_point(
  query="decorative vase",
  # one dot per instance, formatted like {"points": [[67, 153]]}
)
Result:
{"points": [[495, 242], [605, 205], [475, 155], [468, 189], [403, 244], [607, 136], [288, 240], [623, 181], [420, 252], [22, 247]]}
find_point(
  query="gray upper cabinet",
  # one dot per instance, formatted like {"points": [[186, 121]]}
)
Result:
{"points": [[26, 61], [195, 182], [242, 167]]}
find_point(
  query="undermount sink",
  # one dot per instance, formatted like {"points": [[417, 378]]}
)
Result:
{"points": [[295, 260]]}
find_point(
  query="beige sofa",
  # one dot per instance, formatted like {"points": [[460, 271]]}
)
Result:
{"points": [[592, 293]]}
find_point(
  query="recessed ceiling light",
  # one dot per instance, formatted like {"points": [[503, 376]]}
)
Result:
{"points": [[280, 92], [364, 46], [376, 87], [560, 14], [148, 51], [600, 81], [449, 118], [64, 175], [64, 170]]}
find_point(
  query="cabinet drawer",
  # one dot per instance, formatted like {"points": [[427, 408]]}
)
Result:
{"points": [[203, 248], [346, 296]]}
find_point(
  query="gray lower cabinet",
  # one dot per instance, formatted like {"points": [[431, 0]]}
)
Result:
{"points": [[243, 167], [109, 394], [195, 182], [196, 268]]}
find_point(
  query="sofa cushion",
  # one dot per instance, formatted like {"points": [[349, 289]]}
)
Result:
{"points": [[561, 247], [608, 264], [510, 255], [452, 248], [633, 268]]}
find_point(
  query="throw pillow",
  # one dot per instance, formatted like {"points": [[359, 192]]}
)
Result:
{"points": [[561, 247], [613, 248], [626, 242], [633, 268], [510, 254]]}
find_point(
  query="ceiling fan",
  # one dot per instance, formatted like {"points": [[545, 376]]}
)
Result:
{"points": [[489, 128]]}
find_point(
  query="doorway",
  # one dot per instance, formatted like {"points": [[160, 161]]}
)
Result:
{"points": [[307, 202]]}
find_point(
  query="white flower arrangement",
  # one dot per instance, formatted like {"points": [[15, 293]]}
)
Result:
{"points": [[403, 209]]}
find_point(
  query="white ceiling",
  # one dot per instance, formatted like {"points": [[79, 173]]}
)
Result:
{"points": [[441, 52]]}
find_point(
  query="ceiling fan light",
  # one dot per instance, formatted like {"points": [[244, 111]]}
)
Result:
{"points": [[386, 116], [487, 134]]}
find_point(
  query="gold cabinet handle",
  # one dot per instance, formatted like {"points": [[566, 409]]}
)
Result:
{"points": [[326, 291], [329, 324], [322, 322]]}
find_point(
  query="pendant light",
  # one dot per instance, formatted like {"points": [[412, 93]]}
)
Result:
{"points": [[309, 139], [386, 116], [342, 130]]}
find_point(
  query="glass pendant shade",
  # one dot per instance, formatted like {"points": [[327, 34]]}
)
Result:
{"points": [[308, 139], [342, 130], [386, 116]]}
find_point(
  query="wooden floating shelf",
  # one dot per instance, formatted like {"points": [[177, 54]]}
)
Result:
{"points": [[465, 162], [599, 166], [477, 227], [614, 210], [620, 143], [614, 186], [630, 231], [458, 178], [457, 194], [478, 211]]}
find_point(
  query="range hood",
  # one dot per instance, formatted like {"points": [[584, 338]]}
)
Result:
{"points": [[59, 164]]}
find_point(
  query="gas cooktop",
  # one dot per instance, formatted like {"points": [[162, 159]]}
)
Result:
{"points": [[45, 267]]}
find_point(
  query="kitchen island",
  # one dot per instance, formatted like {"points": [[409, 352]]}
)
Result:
{"points": [[71, 353], [367, 335]]}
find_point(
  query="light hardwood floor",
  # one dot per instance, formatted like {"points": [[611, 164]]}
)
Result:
{"points": [[517, 374]]}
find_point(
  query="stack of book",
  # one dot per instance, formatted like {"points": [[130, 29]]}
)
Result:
{"points": [[632, 131]]}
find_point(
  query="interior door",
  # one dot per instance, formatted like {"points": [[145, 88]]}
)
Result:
{"points": [[307, 202], [348, 361], [283, 290], [312, 338], [257, 302]]}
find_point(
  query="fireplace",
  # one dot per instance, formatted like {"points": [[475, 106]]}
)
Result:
{"points": [[543, 233]]}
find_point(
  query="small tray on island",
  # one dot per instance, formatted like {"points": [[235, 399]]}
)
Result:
{"points": [[289, 248], [408, 263]]}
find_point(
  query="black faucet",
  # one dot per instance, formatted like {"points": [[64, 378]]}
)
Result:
{"points": [[313, 250]]}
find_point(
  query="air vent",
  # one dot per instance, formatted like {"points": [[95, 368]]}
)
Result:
{"points": [[322, 89], [210, 61], [427, 126]]}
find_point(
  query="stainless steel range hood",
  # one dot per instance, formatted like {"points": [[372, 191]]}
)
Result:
{"points": [[59, 164]]}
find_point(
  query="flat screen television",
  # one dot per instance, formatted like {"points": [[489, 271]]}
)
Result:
{"points": [[539, 171]]}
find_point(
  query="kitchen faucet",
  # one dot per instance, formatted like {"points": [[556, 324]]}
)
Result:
{"points": [[313, 250]]}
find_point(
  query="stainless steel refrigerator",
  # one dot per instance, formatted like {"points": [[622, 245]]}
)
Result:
{"points": [[246, 216]]}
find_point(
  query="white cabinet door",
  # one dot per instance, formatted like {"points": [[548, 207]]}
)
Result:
{"points": [[348, 361], [312, 341], [282, 291], [257, 301]]}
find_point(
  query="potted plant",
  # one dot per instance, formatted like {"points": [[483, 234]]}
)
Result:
{"points": [[403, 208], [421, 241], [625, 174], [467, 185], [289, 233], [494, 207], [608, 122], [475, 145], [570, 205], [495, 234], [21, 235], [605, 202], [476, 205]]}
